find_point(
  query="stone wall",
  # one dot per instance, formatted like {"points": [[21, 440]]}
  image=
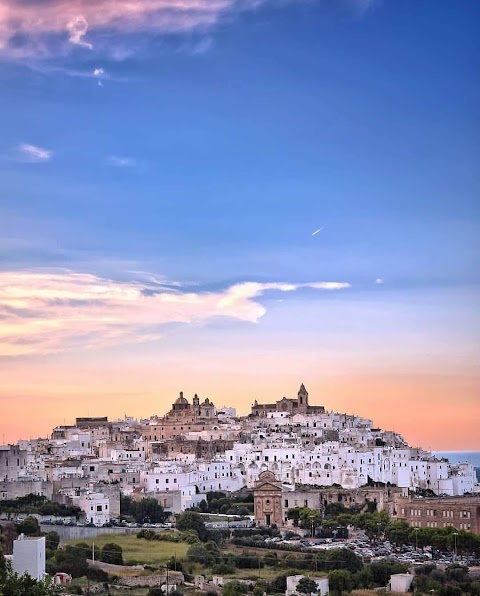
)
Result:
{"points": [[174, 578]]}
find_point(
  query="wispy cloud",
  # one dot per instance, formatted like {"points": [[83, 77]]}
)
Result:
{"points": [[52, 312], [122, 162], [34, 153], [77, 29], [379, 281], [49, 26]]}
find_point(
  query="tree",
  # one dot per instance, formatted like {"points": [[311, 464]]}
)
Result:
{"points": [[344, 558], [149, 511], [9, 534], [112, 553], [294, 514], [382, 570], [310, 519], [197, 553], [398, 532], [190, 520], [3, 568], [307, 586], [234, 588], [14, 585], [71, 559], [279, 584], [364, 578], [52, 540], [29, 527], [340, 581]]}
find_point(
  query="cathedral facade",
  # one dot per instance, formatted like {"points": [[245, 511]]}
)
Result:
{"points": [[182, 418], [288, 406]]}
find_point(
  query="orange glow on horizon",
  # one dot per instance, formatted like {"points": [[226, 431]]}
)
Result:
{"points": [[438, 412]]}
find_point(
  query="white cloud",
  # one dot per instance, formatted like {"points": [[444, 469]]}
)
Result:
{"points": [[98, 72], [53, 312], [77, 28], [122, 162], [328, 285], [379, 281], [35, 153]]}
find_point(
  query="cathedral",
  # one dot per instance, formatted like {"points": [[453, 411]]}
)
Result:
{"points": [[287, 405], [183, 411]]}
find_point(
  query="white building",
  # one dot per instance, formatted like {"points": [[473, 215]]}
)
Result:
{"points": [[293, 581], [400, 582], [29, 556], [96, 507]]}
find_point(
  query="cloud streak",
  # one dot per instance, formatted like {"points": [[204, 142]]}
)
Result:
{"points": [[34, 153], [122, 162], [38, 27], [43, 313]]}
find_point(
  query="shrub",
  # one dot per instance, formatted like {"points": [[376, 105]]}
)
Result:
{"points": [[224, 569]]}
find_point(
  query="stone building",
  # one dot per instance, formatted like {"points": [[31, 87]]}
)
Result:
{"points": [[183, 410], [272, 499], [13, 462], [268, 500], [182, 418], [462, 513], [288, 406], [382, 499]]}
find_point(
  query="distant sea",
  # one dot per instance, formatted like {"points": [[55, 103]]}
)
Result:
{"points": [[458, 457]]}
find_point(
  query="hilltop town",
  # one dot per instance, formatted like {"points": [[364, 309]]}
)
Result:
{"points": [[197, 448]]}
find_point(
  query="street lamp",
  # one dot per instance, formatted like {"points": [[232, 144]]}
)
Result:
{"points": [[455, 534]]}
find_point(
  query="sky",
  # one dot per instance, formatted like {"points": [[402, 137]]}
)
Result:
{"points": [[164, 166]]}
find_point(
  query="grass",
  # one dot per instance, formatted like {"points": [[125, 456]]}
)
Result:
{"points": [[138, 550]]}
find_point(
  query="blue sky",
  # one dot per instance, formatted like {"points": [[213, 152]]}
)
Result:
{"points": [[206, 155]]}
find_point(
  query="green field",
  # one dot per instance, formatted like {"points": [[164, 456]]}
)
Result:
{"points": [[139, 550]]}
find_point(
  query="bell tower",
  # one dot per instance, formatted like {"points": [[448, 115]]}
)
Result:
{"points": [[302, 399]]}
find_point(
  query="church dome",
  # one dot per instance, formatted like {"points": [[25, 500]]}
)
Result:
{"points": [[181, 401]]}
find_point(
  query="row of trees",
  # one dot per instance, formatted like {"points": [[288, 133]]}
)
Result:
{"points": [[40, 505], [441, 539], [378, 523], [454, 581], [73, 559], [218, 502]]}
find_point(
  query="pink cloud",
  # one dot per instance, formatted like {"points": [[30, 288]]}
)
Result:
{"points": [[75, 20], [42, 27], [52, 312]]}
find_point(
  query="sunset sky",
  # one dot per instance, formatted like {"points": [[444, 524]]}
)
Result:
{"points": [[164, 165]]}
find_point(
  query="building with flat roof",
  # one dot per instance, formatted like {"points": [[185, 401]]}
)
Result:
{"points": [[462, 513], [29, 556]]}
